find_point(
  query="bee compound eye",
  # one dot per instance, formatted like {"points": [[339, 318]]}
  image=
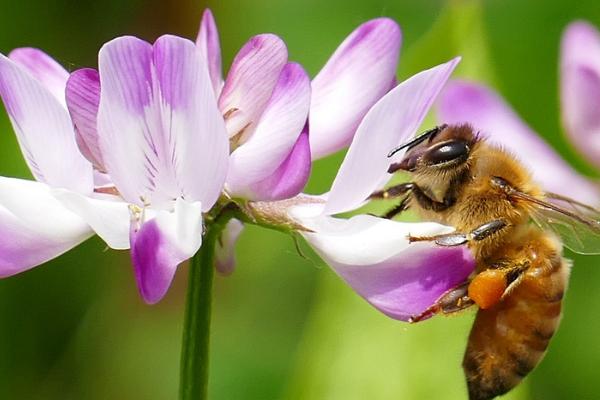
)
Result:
{"points": [[446, 152]]}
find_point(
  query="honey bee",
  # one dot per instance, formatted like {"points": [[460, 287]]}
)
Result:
{"points": [[461, 180]]}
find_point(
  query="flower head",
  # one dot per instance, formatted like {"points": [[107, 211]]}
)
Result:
{"points": [[159, 137], [155, 143], [265, 101], [373, 255]]}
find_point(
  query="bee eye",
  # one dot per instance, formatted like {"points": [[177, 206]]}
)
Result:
{"points": [[447, 151]]}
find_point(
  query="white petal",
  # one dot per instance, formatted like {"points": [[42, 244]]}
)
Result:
{"points": [[225, 247], [161, 244], [375, 258], [108, 216], [44, 130], [161, 133], [392, 120], [43, 68], [34, 226], [359, 72], [276, 132]]}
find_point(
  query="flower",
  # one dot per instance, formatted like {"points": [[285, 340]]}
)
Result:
{"points": [[340, 96], [373, 254], [474, 103], [265, 102], [580, 88], [35, 227], [148, 121]]}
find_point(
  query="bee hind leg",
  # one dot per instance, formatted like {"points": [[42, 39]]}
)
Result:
{"points": [[459, 238], [453, 301]]}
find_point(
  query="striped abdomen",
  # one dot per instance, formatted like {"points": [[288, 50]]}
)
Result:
{"points": [[508, 340]]}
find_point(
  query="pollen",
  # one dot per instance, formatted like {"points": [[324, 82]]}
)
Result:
{"points": [[487, 288]]}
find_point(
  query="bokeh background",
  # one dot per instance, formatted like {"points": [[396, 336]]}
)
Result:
{"points": [[284, 327]]}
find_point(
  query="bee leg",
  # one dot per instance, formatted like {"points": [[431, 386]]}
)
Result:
{"points": [[454, 300], [428, 203], [393, 191], [493, 284], [402, 206], [459, 238]]}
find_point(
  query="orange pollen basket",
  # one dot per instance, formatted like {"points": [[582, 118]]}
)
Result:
{"points": [[487, 288]]}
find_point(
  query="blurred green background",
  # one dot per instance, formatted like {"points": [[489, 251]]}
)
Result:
{"points": [[284, 327]]}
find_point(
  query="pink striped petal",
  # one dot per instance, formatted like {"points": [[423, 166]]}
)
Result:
{"points": [[580, 88], [392, 120], [225, 248], [159, 245], [354, 78], [374, 257], [290, 177], [250, 82], [487, 112], [34, 226], [276, 133], [44, 69], [83, 99], [44, 130], [208, 43], [161, 134]]}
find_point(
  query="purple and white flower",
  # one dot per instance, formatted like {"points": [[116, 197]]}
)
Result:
{"points": [[272, 157], [148, 122], [373, 254], [265, 102]]}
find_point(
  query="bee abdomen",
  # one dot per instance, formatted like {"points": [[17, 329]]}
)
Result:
{"points": [[510, 339]]}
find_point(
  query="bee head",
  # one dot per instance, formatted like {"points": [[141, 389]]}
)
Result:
{"points": [[438, 150]]}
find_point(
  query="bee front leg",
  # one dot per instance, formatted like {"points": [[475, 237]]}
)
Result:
{"points": [[459, 238], [393, 191]]}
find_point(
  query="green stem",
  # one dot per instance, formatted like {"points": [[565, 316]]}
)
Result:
{"points": [[193, 383]]}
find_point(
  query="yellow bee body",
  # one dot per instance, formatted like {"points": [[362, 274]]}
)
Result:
{"points": [[520, 276]]}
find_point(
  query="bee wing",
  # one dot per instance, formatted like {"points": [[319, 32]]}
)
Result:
{"points": [[577, 224]]}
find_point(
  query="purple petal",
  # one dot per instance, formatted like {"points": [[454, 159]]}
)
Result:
{"points": [[250, 82], [374, 257], [208, 43], [158, 246], [34, 226], [225, 248], [276, 133], [161, 134], [580, 88], [290, 178], [487, 112], [354, 78], [44, 130], [392, 120], [83, 99], [44, 69]]}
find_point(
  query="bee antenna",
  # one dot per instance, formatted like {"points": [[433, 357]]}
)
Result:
{"points": [[430, 134]]}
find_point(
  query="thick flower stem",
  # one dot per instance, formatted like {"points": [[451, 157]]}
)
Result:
{"points": [[193, 381]]}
